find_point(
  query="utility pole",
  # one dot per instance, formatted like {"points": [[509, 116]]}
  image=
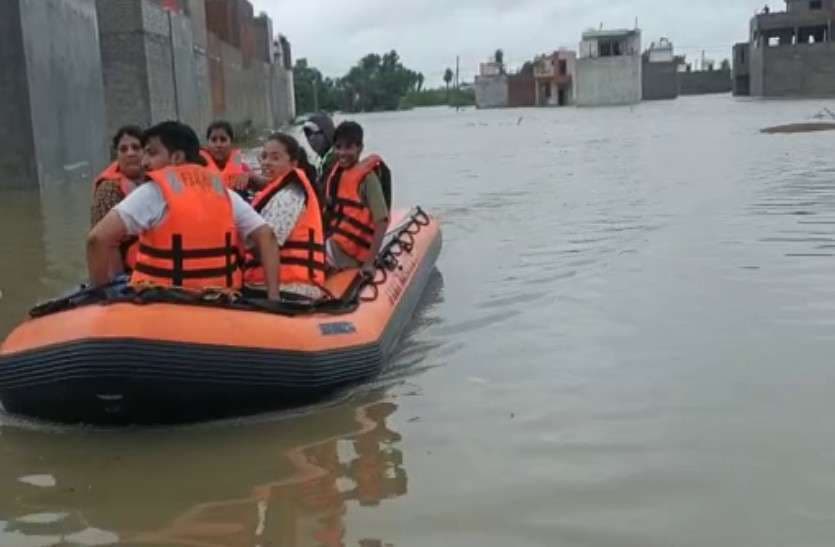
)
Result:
{"points": [[457, 82]]}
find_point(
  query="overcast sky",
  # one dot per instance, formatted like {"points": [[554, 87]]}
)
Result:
{"points": [[428, 34]]}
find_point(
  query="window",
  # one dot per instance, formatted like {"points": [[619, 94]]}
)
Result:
{"points": [[812, 35], [563, 67], [610, 48], [816, 4]]}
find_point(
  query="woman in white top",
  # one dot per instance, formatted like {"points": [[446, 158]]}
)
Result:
{"points": [[288, 200]]}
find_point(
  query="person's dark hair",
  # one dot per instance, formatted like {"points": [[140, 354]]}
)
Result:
{"points": [[128, 130], [223, 126], [296, 152], [348, 133], [177, 137]]}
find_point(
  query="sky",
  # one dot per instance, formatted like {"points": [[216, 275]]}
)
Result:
{"points": [[428, 34]]}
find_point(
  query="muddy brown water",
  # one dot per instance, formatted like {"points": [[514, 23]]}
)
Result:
{"points": [[629, 343]]}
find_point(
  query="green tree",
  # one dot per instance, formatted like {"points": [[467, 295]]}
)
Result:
{"points": [[306, 79], [376, 82], [448, 76], [310, 85]]}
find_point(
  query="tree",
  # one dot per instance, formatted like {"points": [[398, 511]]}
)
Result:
{"points": [[309, 84], [448, 76], [726, 65], [498, 57], [376, 82]]}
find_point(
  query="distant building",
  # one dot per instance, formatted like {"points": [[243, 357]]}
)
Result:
{"points": [[659, 71], [609, 68], [791, 53], [491, 87], [554, 77], [489, 69], [741, 69]]}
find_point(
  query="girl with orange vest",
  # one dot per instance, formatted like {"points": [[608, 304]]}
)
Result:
{"points": [[290, 206], [117, 181], [358, 198], [225, 160]]}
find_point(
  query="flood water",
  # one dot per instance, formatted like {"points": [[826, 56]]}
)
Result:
{"points": [[630, 343]]}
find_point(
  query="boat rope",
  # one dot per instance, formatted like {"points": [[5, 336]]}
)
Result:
{"points": [[363, 289]]}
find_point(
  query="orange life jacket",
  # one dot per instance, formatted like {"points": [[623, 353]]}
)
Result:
{"points": [[233, 168], [112, 174], [196, 244], [303, 254], [349, 221], [130, 249]]}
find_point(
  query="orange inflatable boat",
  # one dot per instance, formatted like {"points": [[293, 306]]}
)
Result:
{"points": [[118, 355]]}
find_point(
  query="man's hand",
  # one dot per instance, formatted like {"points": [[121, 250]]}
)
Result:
{"points": [[240, 182], [267, 247]]}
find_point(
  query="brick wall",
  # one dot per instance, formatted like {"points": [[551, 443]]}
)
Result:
{"points": [[705, 82], [163, 65], [217, 78], [660, 80], [521, 90], [806, 70], [263, 39]]}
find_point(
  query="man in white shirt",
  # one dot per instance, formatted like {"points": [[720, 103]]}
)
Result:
{"points": [[169, 144]]}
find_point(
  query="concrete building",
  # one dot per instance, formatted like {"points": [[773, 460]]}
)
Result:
{"points": [[659, 71], [51, 93], [284, 95], [741, 72], [76, 70], [154, 66], [791, 53], [554, 76], [196, 61], [491, 86], [609, 68]]}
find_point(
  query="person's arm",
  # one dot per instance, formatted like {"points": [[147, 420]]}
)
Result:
{"points": [[283, 211], [143, 209], [249, 179], [376, 201], [263, 239], [104, 260], [254, 230], [106, 197]]}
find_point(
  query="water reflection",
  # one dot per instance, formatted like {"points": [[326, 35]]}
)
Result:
{"points": [[288, 483]]}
